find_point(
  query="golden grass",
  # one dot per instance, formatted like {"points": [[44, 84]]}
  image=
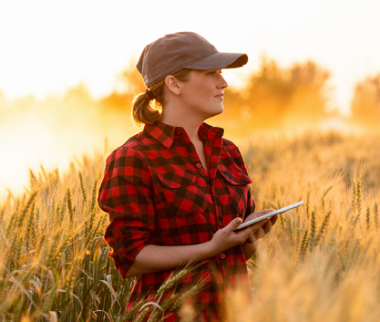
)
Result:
{"points": [[320, 262]]}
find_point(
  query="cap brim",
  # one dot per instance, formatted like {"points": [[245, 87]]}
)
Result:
{"points": [[219, 61]]}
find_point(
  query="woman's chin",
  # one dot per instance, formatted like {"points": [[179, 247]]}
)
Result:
{"points": [[211, 112], [220, 110]]}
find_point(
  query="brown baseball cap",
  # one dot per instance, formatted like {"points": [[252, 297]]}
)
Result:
{"points": [[180, 50]]}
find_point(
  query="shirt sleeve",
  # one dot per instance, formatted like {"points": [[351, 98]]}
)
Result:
{"points": [[126, 195]]}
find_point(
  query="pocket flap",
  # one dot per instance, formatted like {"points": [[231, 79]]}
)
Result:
{"points": [[236, 178], [176, 180]]}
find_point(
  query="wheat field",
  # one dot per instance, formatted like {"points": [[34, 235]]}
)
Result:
{"points": [[320, 262]]}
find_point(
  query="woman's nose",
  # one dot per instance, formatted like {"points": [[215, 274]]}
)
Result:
{"points": [[222, 83]]}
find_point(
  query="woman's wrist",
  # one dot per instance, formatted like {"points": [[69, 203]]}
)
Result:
{"points": [[210, 248], [249, 249]]}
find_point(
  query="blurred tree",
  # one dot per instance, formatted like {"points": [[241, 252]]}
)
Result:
{"points": [[365, 105], [77, 95], [277, 97], [310, 93], [132, 80], [127, 84]]}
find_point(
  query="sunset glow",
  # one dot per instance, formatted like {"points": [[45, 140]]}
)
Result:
{"points": [[50, 46]]}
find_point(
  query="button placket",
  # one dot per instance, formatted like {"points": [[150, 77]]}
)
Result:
{"points": [[190, 149]]}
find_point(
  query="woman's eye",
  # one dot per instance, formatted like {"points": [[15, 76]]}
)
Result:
{"points": [[213, 72]]}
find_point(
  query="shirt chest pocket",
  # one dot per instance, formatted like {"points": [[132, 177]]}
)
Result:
{"points": [[236, 185], [179, 195]]}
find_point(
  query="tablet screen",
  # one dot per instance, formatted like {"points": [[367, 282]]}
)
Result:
{"points": [[271, 214]]}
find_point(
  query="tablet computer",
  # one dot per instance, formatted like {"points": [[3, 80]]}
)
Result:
{"points": [[271, 214]]}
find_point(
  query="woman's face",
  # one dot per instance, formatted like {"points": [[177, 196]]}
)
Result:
{"points": [[203, 92]]}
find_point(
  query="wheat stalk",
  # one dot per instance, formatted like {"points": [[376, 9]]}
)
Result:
{"points": [[93, 197], [142, 315], [308, 205], [353, 199], [359, 200], [70, 208], [304, 244], [171, 281], [194, 289], [32, 179], [323, 227], [324, 196], [313, 230], [135, 308], [63, 210], [376, 215], [2, 215], [82, 186], [29, 228], [368, 218]]}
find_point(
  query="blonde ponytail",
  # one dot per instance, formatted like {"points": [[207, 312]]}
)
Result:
{"points": [[146, 110]]}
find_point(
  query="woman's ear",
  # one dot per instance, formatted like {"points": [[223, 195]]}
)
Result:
{"points": [[172, 85]]}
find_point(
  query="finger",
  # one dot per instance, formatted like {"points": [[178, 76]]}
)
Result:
{"points": [[251, 239], [267, 227], [259, 234], [244, 234], [258, 225], [274, 219], [234, 224], [254, 227]]}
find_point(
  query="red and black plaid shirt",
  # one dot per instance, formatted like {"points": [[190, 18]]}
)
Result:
{"points": [[157, 192]]}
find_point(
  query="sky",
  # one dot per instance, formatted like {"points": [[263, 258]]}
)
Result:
{"points": [[49, 46]]}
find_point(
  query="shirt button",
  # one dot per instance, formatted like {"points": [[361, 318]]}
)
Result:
{"points": [[116, 234], [222, 256], [199, 165], [179, 131]]}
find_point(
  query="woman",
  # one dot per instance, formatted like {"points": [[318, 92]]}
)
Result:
{"points": [[176, 191]]}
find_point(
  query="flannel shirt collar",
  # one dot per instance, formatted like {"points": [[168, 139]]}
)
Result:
{"points": [[164, 133]]}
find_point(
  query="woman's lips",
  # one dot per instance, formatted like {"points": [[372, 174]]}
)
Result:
{"points": [[220, 96]]}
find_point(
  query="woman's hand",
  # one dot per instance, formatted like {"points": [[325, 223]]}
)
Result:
{"points": [[250, 245], [226, 237], [262, 231]]}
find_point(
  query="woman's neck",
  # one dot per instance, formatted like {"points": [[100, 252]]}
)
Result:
{"points": [[189, 123]]}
